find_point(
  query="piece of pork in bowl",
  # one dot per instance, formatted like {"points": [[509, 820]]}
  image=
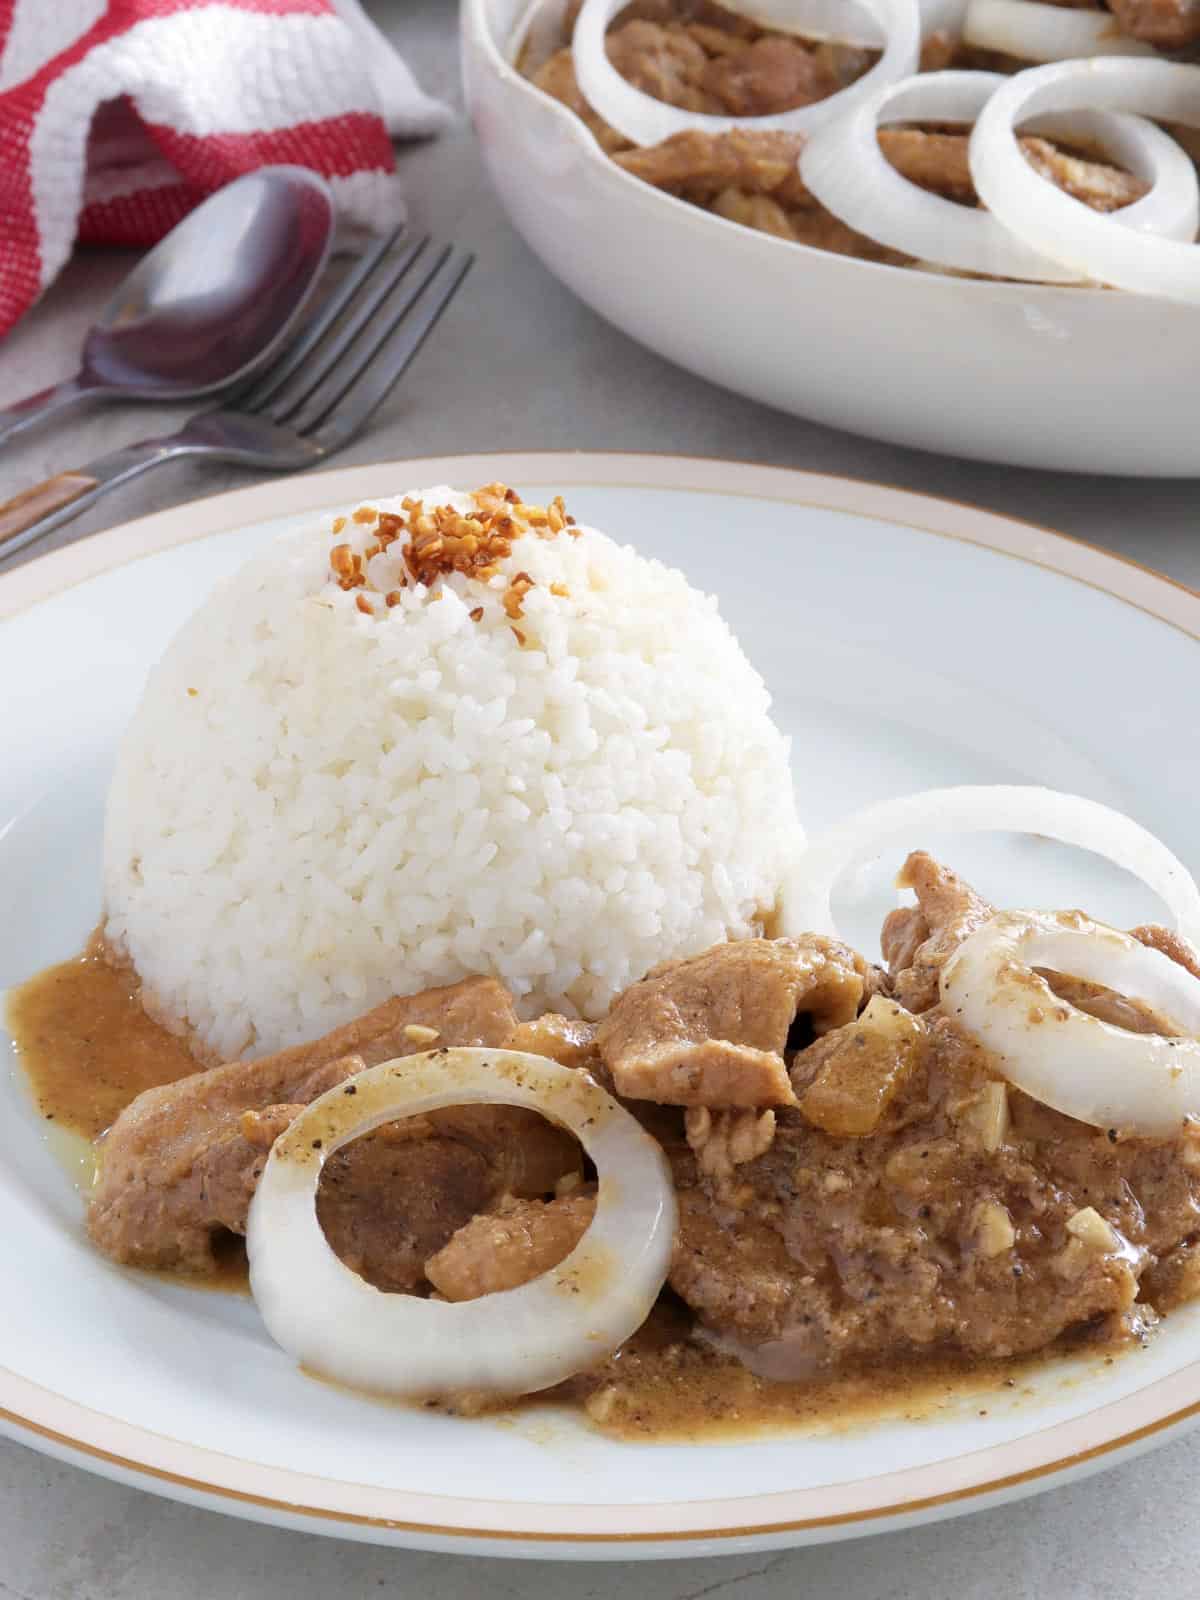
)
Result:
{"points": [[1077, 379]]}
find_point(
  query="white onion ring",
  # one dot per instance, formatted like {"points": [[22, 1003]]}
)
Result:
{"points": [[982, 809], [823, 21], [515, 1342], [1035, 32], [844, 167], [1051, 221], [826, 20], [539, 30], [647, 121], [1067, 1059]]}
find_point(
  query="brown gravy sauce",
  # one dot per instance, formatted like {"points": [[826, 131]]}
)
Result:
{"points": [[85, 1043], [683, 1393], [725, 1402], [687, 1394], [88, 1048], [664, 1387]]}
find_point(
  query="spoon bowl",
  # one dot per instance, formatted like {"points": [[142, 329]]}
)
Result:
{"points": [[209, 304]]}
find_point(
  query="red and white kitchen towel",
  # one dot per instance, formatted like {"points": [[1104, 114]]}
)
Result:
{"points": [[118, 116]]}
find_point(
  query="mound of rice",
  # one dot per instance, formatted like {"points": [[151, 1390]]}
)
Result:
{"points": [[344, 783]]}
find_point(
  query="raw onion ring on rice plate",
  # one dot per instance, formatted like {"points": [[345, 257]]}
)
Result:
{"points": [[517, 1341], [984, 808], [1136, 1083]]}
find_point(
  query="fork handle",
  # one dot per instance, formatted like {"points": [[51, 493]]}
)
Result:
{"points": [[37, 511]]}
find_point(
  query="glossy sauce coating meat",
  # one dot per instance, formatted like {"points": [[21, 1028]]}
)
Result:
{"points": [[856, 1181], [516, 1241], [951, 1225], [180, 1164], [711, 1031]]}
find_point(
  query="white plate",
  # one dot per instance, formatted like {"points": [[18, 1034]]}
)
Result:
{"points": [[908, 642], [1083, 380]]}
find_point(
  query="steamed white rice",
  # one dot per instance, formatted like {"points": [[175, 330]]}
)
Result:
{"points": [[314, 808]]}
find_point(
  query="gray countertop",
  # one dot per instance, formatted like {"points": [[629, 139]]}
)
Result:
{"points": [[66, 1536]]}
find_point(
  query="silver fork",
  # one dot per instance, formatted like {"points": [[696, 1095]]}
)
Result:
{"points": [[308, 404]]}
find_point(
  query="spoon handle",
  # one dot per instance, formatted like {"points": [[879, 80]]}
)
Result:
{"points": [[23, 414]]}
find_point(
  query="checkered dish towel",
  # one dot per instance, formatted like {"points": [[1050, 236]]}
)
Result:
{"points": [[118, 116]]}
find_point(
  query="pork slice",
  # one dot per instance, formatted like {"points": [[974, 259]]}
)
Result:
{"points": [[391, 1199], [663, 61], [712, 1030], [917, 941], [386, 1205], [934, 161], [178, 1167], [699, 165], [1098, 184], [762, 162], [177, 1164], [971, 1219], [938, 162], [739, 1278], [1170, 944], [773, 74], [1169, 24], [515, 1243]]}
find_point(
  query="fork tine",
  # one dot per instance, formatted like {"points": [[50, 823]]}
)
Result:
{"points": [[382, 368], [265, 384], [287, 398], [337, 380]]}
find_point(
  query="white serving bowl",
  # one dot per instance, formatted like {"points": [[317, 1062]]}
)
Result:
{"points": [[1082, 380]]}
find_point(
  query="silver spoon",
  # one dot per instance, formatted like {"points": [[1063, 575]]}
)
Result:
{"points": [[208, 304]]}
